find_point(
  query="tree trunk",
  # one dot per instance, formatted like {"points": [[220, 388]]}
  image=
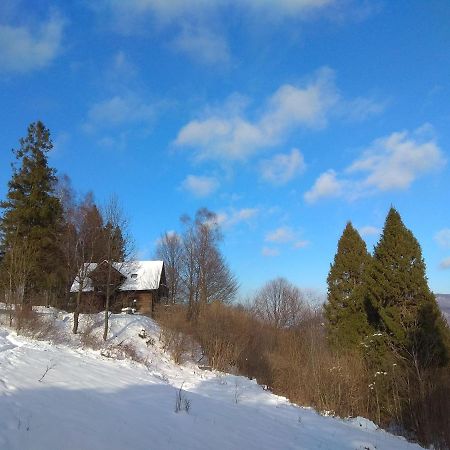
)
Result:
{"points": [[108, 294], [76, 313]]}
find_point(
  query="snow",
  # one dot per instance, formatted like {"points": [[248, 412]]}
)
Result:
{"points": [[139, 276], [66, 397]]}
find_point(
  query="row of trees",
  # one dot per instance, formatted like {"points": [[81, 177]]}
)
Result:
{"points": [[386, 294], [47, 235], [380, 307]]}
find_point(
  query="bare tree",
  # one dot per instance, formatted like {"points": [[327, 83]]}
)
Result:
{"points": [[206, 276], [87, 246], [280, 303], [117, 249], [18, 266], [170, 250]]}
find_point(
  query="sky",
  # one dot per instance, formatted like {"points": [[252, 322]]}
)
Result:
{"points": [[287, 118]]}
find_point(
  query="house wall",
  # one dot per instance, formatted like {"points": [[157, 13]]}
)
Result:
{"points": [[145, 300]]}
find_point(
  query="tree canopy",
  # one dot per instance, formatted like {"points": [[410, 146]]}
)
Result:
{"points": [[32, 211], [345, 312]]}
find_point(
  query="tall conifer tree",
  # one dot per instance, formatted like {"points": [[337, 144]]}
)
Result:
{"points": [[404, 307], [32, 211], [345, 313]]}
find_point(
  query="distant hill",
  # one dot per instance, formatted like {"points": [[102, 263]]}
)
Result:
{"points": [[444, 303]]}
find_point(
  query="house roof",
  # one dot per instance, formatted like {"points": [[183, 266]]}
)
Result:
{"points": [[139, 275]]}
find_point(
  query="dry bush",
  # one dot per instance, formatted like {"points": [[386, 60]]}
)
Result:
{"points": [[235, 341], [176, 331], [424, 405], [123, 350], [175, 343], [88, 337], [37, 326], [307, 372], [182, 403], [298, 363], [430, 409]]}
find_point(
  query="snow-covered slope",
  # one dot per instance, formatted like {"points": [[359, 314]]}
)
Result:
{"points": [[64, 397]]}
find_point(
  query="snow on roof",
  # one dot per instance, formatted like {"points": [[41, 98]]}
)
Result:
{"points": [[139, 276]]}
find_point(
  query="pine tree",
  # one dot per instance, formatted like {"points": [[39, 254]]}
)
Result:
{"points": [[405, 309], [32, 211], [345, 313]]}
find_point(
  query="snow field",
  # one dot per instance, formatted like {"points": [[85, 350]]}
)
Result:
{"points": [[65, 397]]}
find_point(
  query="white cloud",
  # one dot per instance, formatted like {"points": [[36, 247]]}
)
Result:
{"points": [[390, 163], [203, 46], [157, 16], [200, 186], [23, 49], [445, 264], [127, 14], [269, 251], [282, 168], [228, 134], [234, 217], [361, 108], [327, 185], [286, 235], [281, 235], [442, 237], [119, 110], [369, 230], [395, 161]]}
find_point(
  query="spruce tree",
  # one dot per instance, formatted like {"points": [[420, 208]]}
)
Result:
{"points": [[404, 308], [32, 212], [346, 319]]}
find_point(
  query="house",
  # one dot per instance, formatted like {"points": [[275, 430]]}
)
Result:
{"points": [[135, 284]]}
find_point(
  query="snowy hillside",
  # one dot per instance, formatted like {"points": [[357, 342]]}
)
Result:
{"points": [[61, 396]]}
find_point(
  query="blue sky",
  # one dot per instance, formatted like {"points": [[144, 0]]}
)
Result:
{"points": [[287, 118]]}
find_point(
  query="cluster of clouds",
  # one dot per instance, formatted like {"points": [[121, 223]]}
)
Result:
{"points": [[226, 133], [284, 235], [24, 48], [236, 216], [231, 133], [282, 167], [390, 163], [200, 186], [119, 110], [197, 28]]}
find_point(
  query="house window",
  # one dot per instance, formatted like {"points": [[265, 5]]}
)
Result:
{"points": [[134, 276]]}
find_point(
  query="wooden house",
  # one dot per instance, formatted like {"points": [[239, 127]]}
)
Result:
{"points": [[136, 284]]}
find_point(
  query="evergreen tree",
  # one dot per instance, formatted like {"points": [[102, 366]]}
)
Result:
{"points": [[32, 211], [405, 309], [346, 319]]}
